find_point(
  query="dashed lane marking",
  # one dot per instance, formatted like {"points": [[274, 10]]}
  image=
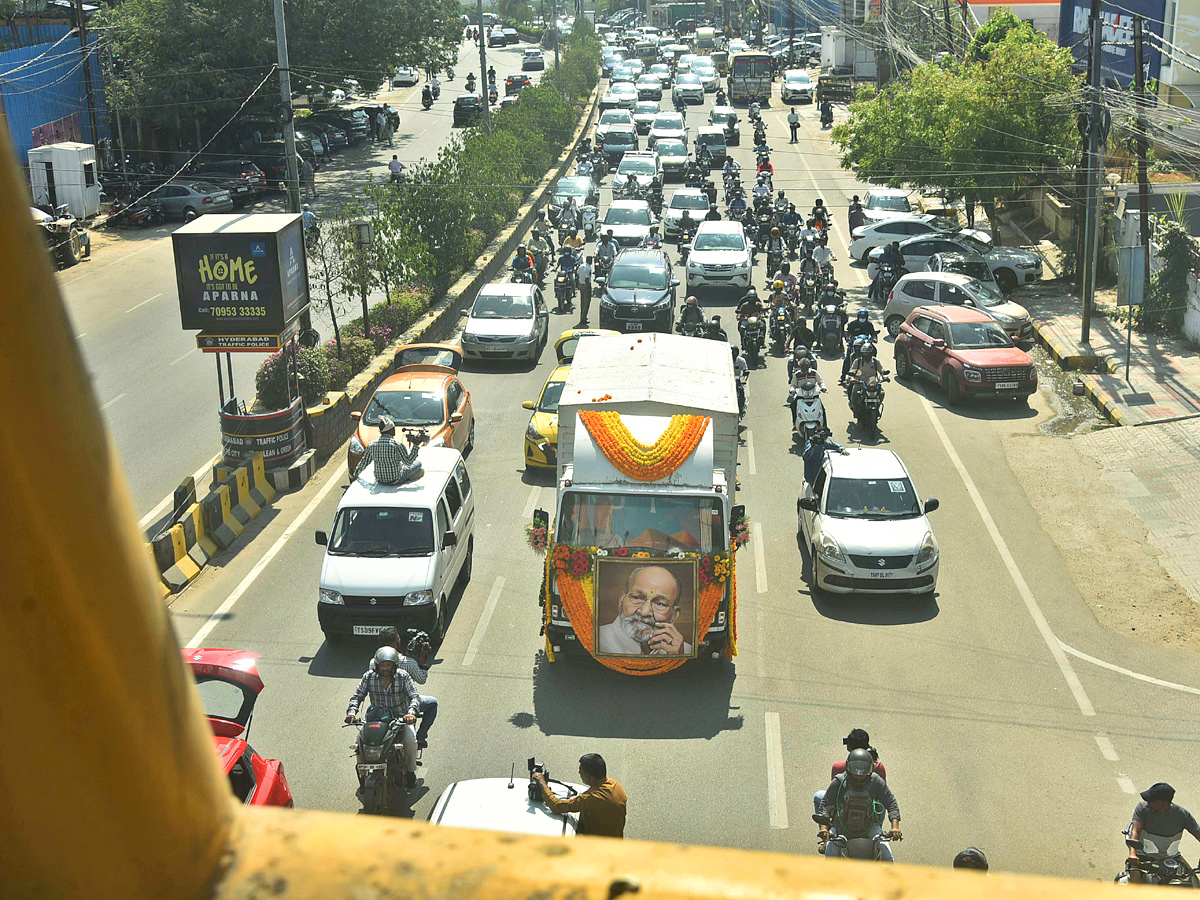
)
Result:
{"points": [[1107, 750], [481, 628], [776, 789]]}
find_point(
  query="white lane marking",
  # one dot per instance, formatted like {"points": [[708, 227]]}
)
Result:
{"points": [[143, 303], [244, 585], [1126, 784], [81, 335], [105, 406], [776, 790], [1035, 611], [531, 503], [1107, 750], [1140, 677], [751, 466], [484, 620], [166, 501], [760, 559], [182, 358]]}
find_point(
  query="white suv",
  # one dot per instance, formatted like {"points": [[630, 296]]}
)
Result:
{"points": [[865, 529], [719, 257]]}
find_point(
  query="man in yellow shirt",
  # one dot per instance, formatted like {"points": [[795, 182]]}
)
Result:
{"points": [[601, 807]]}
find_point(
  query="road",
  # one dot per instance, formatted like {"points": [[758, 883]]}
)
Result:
{"points": [[993, 733], [158, 392]]}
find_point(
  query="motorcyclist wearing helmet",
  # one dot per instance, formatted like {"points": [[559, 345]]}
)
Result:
{"points": [[779, 295], [804, 370], [692, 313], [715, 331], [808, 265], [781, 203], [392, 694], [891, 257], [751, 304], [802, 335], [866, 367], [568, 261], [714, 214], [606, 251], [731, 167], [785, 275], [971, 858], [862, 325], [764, 164], [762, 191], [823, 256], [775, 243], [568, 216], [523, 261], [687, 225], [820, 212], [809, 235], [573, 241], [737, 205], [850, 804]]}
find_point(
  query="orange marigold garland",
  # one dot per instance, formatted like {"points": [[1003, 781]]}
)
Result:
{"points": [[641, 461]]}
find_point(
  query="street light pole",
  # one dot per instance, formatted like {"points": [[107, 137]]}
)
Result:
{"points": [[289, 126], [487, 113]]}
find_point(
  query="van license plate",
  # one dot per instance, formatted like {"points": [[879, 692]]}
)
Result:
{"points": [[633, 326], [882, 574], [1007, 386], [368, 629]]}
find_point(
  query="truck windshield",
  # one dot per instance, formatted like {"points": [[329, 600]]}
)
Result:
{"points": [[642, 522], [382, 531]]}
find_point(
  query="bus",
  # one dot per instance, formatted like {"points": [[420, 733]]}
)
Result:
{"points": [[749, 77]]}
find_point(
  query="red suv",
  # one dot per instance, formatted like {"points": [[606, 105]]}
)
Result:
{"points": [[964, 351]]}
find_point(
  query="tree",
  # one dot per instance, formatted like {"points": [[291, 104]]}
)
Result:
{"points": [[999, 25], [980, 128]]}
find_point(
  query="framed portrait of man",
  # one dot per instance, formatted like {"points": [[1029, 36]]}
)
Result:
{"points": [[645, 607]]}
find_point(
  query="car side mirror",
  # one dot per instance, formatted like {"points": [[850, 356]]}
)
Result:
{"points": [[355, 414], [939, 343], [931, 504], [674, 282], [455, 418], [449, 539], [528, 404], [322, 539], [737, 513], [808, 503]]}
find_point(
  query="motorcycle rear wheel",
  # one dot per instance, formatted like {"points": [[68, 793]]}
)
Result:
{"points": [[376, 800]]}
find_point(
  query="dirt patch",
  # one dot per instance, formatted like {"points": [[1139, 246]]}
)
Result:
{"points": [[1103, 542]]}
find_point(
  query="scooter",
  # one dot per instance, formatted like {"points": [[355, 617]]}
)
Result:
{"points": [[888, 275], [590, 217], [829, 327], [808, 412], [380, 761]]}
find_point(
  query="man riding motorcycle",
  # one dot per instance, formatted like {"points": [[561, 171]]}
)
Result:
{"points": [[392, 694], [776, 248], [762, 190], [819, 212], [865, 368], [850, 805], [824, 258], [790, 217], [781, 203], [523, 261], [861, 326], [573, 241], [692, 314], [785, 275], [804, 370], [731, 167], [652, 240], [542, 251], [891, 257], [568, 215], [1158, 817], [607, 250]]}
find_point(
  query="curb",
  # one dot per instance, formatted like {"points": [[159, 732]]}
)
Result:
{"points": [[1107, 407], [1062, 355]]}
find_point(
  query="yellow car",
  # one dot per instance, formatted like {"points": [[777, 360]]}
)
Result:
{"points": [[541, 437], [564, 347]]}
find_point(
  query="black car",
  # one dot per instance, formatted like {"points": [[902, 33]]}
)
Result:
{"points": [[639, 293], [270, 157], [353, 122], [468, 110], [243, 178]]}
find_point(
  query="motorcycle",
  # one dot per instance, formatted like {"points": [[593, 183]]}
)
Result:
{"points": [[821, 227], [798, 353], [380, 762], [857, 847], [760, 133], [753, 332], [436, 90], [1159, 862], [792, 235], [603, 266], [564, 290], [774, 258], [142, 214], [810, 290], [523, 276], [426, 97], [829, 326], [866, 402], [888, 275], [808, 412], [826, 114], [781, 327]]}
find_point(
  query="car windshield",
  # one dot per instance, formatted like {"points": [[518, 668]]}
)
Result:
{"points": [[624, 88], [723, 118], [549, 399], [614, 116], [503, 306], [572, 187], [977, 336], [636, 167], [689, 201], [890, 204], [642, 521], [382, 531], [719, 240], [974, 243], [646, 109], [798, 78], [976, 268], [689, 79], [984, 294], [617, 215], [632, 276], [670, 148], [405, 408], [618, 137], [669, 123], [649, 81], [871, 498]]}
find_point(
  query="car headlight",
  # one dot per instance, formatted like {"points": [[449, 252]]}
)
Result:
{"points": [[533, 434], [1028, 265], [830, 549], [608, 302], [468, 338], [1004, 320], [929, 549], [418, 598], [972, 374], [355, 444], [331, 597]]}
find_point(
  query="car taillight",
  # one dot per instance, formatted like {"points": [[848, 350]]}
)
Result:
{"points": [[206, 200], [891, 294]]}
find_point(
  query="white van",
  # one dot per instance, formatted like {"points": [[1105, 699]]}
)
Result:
{"points": [[396, 552]]}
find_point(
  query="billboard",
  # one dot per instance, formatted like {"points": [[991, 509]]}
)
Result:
{"points": [[241, 274], [1117, 57]]}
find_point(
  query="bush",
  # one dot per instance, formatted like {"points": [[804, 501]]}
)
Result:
{"points": [[271, 379], [357, 352]]}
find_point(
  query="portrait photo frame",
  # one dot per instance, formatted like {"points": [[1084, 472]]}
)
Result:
{"points": [[615, 636]]}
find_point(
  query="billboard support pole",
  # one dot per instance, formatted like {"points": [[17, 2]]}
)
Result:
{"points": [[1143, 179], [1092, 161]]}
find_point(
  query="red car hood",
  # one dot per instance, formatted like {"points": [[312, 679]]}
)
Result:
{"points": [[995, 356]]}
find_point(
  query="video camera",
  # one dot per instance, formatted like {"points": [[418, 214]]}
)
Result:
{"points": [[535, 790]]}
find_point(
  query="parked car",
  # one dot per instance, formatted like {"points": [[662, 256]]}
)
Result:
{"points": [[639, 293], [643, 164], [965, 264], [468, 110], [886, 203], [865, 529], [244, 180], [694, 200], [966, 352], [506, 321], [796, 86], [672, 156], [406, 76], [953, 289], [1011, 266], [726, 117], [313, 139], [667, 125], [719, 257], [533, 61], [610, 117], [229, 685], [353, 121], [270, 157], [488, 803], [335, 133], [187, 199]]}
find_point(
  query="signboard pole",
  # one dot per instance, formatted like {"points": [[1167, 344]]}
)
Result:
{"points": [[1092, 161], [220, 381], [289, 125], [1143, 178]]}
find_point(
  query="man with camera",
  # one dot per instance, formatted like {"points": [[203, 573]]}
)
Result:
{"points": [[601, 807], [416, 664]]}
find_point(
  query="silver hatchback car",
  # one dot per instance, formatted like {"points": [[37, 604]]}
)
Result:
{"points": [[188, 199]]}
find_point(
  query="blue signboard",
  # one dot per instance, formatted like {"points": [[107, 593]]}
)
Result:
{"points": [[1117, 61]]}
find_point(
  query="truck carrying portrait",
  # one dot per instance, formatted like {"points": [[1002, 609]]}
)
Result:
{"points": [[645, 607]]}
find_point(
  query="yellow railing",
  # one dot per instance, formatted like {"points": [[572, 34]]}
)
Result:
{"points": [[109, 787]]}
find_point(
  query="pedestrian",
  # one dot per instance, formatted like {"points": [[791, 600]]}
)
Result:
{"points": [[374, 121], [601, 807], [855, 216], [794, 124], [585, 289], [386, 132], [257, 137], [308, 179], [969, 203], [394, 117]]}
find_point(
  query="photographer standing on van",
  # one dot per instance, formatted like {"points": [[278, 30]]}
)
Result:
{"points": [[601, 807]]}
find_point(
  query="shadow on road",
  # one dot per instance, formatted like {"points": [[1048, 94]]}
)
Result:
{"points": [[578, 696]]}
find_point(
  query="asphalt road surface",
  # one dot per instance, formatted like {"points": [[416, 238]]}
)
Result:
{"points": [[995, 730], [157, 391]]}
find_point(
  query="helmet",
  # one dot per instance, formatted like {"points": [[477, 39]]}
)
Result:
{"points": [[781, 193], [520, 248], [868, 350], [762, 179], [537, 232], [387, 655], [818, 203], [304, 208], [752, 291], [778, 285], [859, 765], [805, 364], [692, 301], [831, 286], [862, 315], [774, 229], [971, 858], [785, 267]]}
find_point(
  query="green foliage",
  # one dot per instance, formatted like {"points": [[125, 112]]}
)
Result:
{"points": [[1164, 308], [999, 25], [985, 127], [271, 379]]}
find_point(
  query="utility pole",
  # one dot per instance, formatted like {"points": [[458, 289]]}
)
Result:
{"points": [[949, 33], [289, 125], [554, 26], [1143, 179], [87, 70], [487, 113], [1092, 232], [791, 8]]}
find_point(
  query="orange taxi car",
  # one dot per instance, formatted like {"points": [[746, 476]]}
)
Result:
{"points": [[424, 397]]}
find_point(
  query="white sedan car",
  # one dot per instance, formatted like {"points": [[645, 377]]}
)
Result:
{"points": [[865, 528], [1011, 266], [707, 75], [867, 237], [507, 321], [626, 94]]}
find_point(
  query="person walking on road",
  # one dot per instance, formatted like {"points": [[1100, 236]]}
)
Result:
{"points": [[794, 124], [308, 179], [584, 273], [385, 129]]}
